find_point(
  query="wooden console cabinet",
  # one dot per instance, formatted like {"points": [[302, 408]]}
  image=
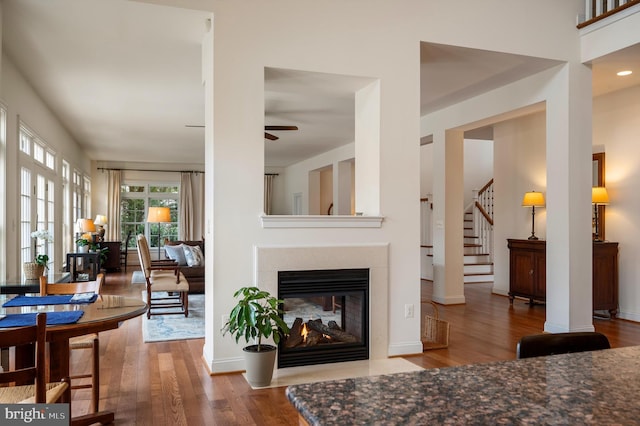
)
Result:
{"points": [[112, 260], [528, 273]]}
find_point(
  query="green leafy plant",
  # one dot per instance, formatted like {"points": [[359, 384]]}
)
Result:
{"points": [[256, 315], [82, 242], [45, 235], [42, 260]]}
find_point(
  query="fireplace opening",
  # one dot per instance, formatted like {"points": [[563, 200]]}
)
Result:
{"points": [[328, 313]]}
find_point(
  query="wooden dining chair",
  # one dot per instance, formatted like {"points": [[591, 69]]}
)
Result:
{"points": [[163, 276], [124, 251], [26, 382], [560, 343], [89, 341]]}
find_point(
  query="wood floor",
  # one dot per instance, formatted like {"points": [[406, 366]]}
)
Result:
{"points": [[167, 383]]}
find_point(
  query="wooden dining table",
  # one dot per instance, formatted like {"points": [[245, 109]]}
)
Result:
{"points": [[106, 313]]}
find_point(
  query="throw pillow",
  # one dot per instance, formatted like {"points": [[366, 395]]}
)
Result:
{"points": [[176, 253], [193, 254]]}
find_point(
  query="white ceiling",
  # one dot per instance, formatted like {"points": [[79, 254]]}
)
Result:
{"points": [[124, 78]]}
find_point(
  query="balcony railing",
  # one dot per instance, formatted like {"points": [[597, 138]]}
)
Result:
{"points": [[597, 10]]}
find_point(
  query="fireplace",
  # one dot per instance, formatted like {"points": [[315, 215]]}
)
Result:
{"points": [[328, 313]]}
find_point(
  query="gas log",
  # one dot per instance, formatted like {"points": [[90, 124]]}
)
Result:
{"points": [[317, 333], [338, 334]]}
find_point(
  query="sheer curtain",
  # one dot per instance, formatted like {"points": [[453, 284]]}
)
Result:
{"points": [[191, 215], [113, 205], [268, 193]]}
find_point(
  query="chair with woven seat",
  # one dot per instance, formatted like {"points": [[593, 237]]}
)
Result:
{"points": [[89, 341], [124, 250], [165, 277], [560, 343], [26, 384]]}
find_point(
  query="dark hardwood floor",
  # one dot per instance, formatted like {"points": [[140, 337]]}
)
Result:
{"points": [[167, 383]]}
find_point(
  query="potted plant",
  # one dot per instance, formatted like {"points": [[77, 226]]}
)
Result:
{"points": [[83, 244], [257, 315]]}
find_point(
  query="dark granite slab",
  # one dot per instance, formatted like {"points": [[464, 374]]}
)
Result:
{"points": [[601, 387]]}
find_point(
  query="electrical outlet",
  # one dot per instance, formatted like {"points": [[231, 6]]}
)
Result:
{"points": [[408, 310]]}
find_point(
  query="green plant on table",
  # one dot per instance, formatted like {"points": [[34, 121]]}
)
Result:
{"points": [[256, 315]]}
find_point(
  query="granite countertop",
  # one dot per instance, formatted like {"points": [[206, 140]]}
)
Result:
{"points": [[601, 387]]}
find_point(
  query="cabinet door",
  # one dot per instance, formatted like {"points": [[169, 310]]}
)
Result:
{"points": [[605, 276], [522, 273], [540, 276]]}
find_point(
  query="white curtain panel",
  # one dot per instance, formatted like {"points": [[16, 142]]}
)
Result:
{"points": [[268, 193], [191, 214], [113, 205]]}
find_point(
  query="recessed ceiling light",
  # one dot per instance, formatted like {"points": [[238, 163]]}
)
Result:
{"points": [[623, 73]]}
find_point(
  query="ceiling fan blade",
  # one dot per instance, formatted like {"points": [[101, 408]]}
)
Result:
{"points": [[281, 127], [270, 136]]}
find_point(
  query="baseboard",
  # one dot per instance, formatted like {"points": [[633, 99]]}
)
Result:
{"points": [[453, 300], [229, 365], [405, 348], [629, 316]]}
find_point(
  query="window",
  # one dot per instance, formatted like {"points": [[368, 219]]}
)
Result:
{"points": [[135, 200], [37, 195], [67, 228]]}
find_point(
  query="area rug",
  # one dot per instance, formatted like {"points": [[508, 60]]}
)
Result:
{"points": [[137, 278], [161, 328]]}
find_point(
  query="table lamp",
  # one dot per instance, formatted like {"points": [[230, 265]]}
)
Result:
{"points": [[533, 199], [599, 197], [100, 220], [159, 215]]}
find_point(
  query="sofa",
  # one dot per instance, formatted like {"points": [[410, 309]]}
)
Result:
{"points": [[191, 261]]}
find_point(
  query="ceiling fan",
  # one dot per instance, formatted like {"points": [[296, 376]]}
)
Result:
{"points": [[276, 128]]}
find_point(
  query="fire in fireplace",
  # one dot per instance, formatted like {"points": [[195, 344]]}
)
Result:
{"points": [[328, 313]]}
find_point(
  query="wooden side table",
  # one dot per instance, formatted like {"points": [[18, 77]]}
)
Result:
{"points": [[90, 262]]}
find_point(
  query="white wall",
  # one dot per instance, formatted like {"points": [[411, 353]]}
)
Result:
{"points": [[295, 178], [22, 101], [520, 166], [616, 127], [247, 42], [478, 167]]}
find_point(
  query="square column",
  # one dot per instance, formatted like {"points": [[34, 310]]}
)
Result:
{"points": [[448, 216], [569, 245]]}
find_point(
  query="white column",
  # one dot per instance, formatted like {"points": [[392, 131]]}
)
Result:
{"points": [[448, 217], [569, 246]]}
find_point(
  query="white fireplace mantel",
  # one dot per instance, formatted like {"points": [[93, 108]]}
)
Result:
{"points": [[320, 221]]}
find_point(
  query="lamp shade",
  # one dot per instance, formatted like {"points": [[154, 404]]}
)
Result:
{"points": [[100, 220], [599, 195], [159, 215], [86, 225], [533, 199]]}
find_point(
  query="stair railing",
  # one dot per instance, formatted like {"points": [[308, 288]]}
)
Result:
{"points": [[483, 217], [596, 10]]}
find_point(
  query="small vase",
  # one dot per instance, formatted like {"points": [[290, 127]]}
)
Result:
{"points": [[33, 271], [83, 249]]}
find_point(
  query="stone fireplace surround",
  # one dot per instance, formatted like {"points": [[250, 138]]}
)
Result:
{"points": [[271, 259]]}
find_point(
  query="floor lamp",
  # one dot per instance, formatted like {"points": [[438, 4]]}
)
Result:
{"points": [[159, 215], [533, 199], [599, 197]]}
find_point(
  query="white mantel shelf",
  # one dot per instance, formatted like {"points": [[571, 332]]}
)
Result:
{"points": [[321, 221]]}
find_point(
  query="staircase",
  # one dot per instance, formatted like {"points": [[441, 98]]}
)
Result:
{"points": [[478, 236], [478, 266]]}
